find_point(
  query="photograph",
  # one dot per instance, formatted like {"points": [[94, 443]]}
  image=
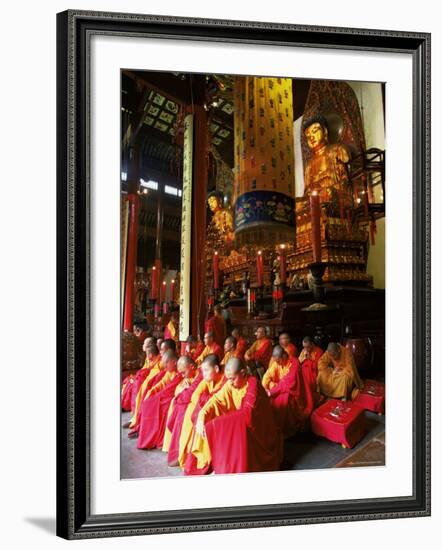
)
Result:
{"points": [[252, 287]]}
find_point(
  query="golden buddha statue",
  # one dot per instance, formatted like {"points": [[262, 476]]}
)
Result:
{"points": [[326, 172], [222, 220]]}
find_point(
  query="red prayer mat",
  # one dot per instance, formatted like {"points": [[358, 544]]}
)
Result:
{"points": [[372, 397], [339, 421]]}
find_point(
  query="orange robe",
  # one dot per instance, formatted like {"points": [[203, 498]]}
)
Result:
{"points": [[230, 355], [154, 375], [212, 348], [241, 431], [171, 332], [337, 378], [217, 326], [261, 352]]}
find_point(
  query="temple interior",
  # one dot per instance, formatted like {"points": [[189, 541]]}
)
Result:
{"points": [[254, 205]]}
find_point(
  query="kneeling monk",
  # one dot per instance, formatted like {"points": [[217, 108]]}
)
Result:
{"points": [[239, 425], [308, 358], [259, 353], [153, 410], [337, 373], [291, 400]]}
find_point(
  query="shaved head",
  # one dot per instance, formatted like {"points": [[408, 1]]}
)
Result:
{"points": [[234, 365], [334, 350]]}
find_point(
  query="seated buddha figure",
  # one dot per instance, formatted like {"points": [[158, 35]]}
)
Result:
{"points": [[220, 229], [326, 172]]}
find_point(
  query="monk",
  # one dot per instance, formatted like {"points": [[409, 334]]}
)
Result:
{"points": [[241, 343], [155, 375], [194, 347], [239, 425], [132, 383], [140, 332], [308, 358], [183, 393], [337, 373], [259, 353], [210, 347], [217, 325], [171, 330], [127, 386], [291, 401], [286, 343], [230, 350], [156, 403]]}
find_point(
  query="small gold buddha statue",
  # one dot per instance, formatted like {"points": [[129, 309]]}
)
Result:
{"points": [[222, 219], [326, 172]]}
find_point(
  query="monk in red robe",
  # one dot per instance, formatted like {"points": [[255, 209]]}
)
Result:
{"points": [[194, 347], [171, 330], [210, 347], [259, 353], [230, 350], [286, 343], [217, 325], [194, 453], [239, 425], [155, 405], [241, 342], [128, 390], [291, 401], [308, 359]]}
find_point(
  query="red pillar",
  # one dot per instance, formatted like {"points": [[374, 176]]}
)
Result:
{"points": [[129, 295]]}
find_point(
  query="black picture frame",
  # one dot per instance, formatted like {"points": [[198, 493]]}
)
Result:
{"points": [[74, 519]]}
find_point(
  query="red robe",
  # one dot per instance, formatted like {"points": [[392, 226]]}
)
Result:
{"points": [[157, 378], [241, 346], [261, 351], [196, 352], [154, 415], [176, 418], [291, 350], [309, 370], [127, 392], [292, 401], [217, 325], [248, 439]]}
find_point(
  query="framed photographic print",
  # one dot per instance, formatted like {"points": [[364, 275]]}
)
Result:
{"points": [[243, 274]]}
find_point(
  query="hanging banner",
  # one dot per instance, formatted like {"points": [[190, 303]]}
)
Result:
{"points": [[186, 229]]}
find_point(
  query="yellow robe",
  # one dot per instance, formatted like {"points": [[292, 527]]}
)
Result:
{"points": [[206, 351], [275, 373], [187, 430], [228, 399], [155, 367], [338, 383]]}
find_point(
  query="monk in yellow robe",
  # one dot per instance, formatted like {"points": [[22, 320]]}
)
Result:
{"points": [[212, 381], [230, 350], [337, 373], [210, 346], [171, 330], [132, 382], [239, 425], [259, 353], [187, 368]]}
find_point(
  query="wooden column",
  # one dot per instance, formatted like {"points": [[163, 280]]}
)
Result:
{"points": [[199, 196]]}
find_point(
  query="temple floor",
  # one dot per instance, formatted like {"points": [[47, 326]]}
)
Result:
{"points": [[302, 452]]}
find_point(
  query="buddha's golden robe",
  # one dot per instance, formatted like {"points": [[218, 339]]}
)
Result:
{"points": [[337, 378]]}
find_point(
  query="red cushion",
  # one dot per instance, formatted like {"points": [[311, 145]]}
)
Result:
{"points": [[339, 421], [372, 397]]}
